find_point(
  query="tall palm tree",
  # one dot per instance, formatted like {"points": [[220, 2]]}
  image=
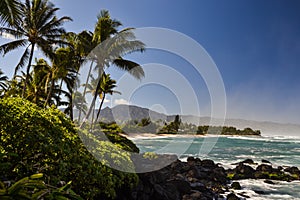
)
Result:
{"points": [[107, 86], [63, 70], [80, 46], [112, 45], [10, 11], [38, 26]]}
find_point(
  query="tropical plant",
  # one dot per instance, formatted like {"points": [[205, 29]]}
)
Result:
{"points": [[172, 127], [107, 86], [3, 83], [111, 46], [33, 187], [10, 11], [37, 140], [37, 26]]}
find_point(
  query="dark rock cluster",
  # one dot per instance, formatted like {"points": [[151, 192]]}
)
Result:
{"points": [[249, 169], [199, 179], [192, 180]]}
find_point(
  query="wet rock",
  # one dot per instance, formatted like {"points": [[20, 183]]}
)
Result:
{"points": [[191, 161], [269, 182], [183, 187], [232, 196], [248, 161], [236, 186], [292, 170], [208, 163], [265, 161], [181, 180], [243, 172], [264, 168], [259, 192]]}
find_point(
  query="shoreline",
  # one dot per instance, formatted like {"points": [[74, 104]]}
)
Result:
{"points": [[154, 135]]}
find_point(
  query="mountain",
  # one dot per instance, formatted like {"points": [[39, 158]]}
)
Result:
{"points": [[122, 113]]}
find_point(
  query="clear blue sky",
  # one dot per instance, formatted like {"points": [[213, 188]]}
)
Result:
{"points": [[254, 43]]}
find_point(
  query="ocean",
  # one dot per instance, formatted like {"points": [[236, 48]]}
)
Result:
{"points": [[227, 150]]}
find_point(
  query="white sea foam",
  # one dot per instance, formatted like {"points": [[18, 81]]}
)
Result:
{"points": [[280, 190]]}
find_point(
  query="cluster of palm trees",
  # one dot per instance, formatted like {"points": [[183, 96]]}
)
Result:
{"points": [[53, 79]]}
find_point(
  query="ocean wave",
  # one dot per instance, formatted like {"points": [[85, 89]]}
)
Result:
{"points": [[291, 139], [280, 190]]}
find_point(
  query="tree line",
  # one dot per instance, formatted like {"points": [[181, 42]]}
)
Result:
{"points": [[52, 80]]}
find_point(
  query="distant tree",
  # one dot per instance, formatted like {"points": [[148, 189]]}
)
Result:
{"points": [[173, 127], [145, 122], [107, 86]]}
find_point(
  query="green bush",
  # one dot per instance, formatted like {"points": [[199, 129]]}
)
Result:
{"points": [[33, 188], [35, 140]]}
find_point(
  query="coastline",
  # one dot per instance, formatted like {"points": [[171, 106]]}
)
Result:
{"points": [[153, 135]]}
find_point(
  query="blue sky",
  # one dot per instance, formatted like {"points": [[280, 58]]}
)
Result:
{"points": [[255, 45]]}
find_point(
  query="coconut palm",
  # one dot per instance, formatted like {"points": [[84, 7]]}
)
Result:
{"points": [[3, 82], [63, 70], [112, 46], [10, 11], [107, 86], [38, 26]]}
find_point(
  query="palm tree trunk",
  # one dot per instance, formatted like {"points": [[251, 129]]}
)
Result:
{"points": [[101, 104], [71, 106], [28, 69], [92, 107], [49, 93], [84, 91]]}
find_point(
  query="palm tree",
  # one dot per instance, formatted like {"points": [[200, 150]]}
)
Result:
{"points": [[3, 82], [37, 26], [107, 86], [77, 98], [80, 46], [63, 70], [10, 11], [112, 45]]}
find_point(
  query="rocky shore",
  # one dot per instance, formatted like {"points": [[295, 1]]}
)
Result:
{"points": [[199, 179]]}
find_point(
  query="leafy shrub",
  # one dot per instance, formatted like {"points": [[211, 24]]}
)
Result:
{"points": [[32, 188], [35, 140]]}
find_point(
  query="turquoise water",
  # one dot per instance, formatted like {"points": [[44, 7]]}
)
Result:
{"points": [[283, 151]]}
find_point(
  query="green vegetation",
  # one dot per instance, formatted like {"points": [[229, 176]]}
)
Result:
{"points": [[34, 188], [36, 140], [172, 127], [225, 130], [145, 125]]}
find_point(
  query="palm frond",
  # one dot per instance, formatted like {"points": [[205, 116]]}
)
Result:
{"points": [[5, 48], [23, 60], [132, 67], [10, 12]]}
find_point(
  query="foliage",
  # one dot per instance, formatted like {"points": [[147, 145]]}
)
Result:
{"points": [[10, 11], [36, 26], [110, 127], [150, 155], [36, 140], [171, 128], [3, 83], [112, 131], [226, 130], [34, 188], [145, 125]]}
